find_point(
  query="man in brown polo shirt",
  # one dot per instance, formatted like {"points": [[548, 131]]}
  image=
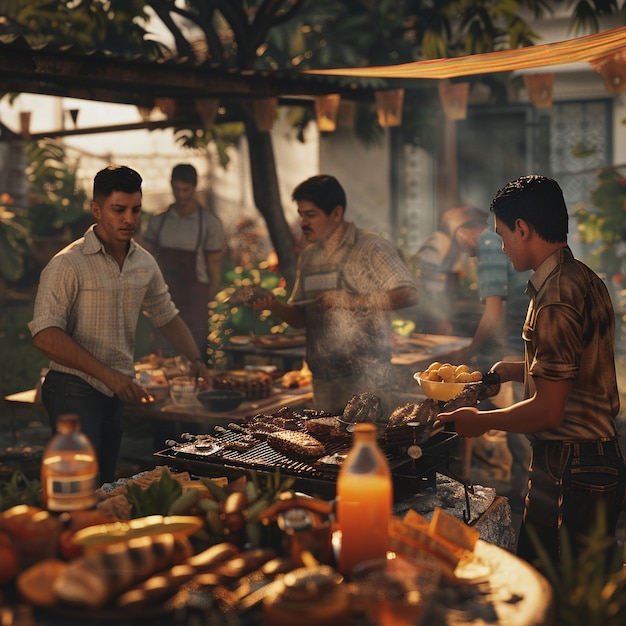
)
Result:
{"points": [[571, 396]]}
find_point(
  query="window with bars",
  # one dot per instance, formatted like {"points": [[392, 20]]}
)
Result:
{"points": [[568, 141]]}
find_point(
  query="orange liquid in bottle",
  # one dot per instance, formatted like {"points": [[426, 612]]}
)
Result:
{"points": [[364, 501]]}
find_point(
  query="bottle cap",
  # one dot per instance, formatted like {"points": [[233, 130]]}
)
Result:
{"points": [[68, 419], [365, 427]]}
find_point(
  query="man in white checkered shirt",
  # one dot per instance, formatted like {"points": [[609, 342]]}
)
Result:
{"points": [[88, 303]]}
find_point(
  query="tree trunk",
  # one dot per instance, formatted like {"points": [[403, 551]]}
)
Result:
{"points": [[267, 199], [4, 289]]}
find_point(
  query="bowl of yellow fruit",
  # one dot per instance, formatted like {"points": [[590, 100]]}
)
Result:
{"points": [[443, 381]]}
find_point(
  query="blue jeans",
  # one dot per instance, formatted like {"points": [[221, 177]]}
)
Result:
{"points": [[569, 481], [101, 415]]}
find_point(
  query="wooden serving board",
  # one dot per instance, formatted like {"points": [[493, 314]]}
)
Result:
{"points": [[427, 348]]}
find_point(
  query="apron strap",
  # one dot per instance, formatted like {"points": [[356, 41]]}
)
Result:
{"points": [[163, 217]]}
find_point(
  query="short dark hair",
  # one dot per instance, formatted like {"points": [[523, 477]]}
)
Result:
{"points": [[115, 178], [324, 191], [185, 173], [537, 200]]}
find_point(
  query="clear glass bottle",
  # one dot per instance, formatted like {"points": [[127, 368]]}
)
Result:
{"points": [[364, 501], [69, 468]]}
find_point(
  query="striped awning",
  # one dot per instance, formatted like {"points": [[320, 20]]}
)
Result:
{"points": [[589, 48]]}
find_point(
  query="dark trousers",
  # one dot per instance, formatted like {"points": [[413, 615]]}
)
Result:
{"points": [[101, 415], [569, 482]]}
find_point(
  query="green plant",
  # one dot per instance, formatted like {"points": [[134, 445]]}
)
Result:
{"points": [[603, 225], [17, 349], [13, 241], [589, 590], [226, 320], [19, 489], [57, 199]]}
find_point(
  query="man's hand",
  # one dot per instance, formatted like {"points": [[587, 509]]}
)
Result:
{"points": [[197, 369], [509, 370], [126, 389], [251, 295], [261, 303], [468, 421], [335, 299]]}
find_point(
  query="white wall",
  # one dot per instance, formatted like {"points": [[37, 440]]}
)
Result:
{"points": [[364, 173], [151, 153]]}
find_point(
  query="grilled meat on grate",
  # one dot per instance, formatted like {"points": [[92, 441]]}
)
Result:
{"points": [[296, 442], [421, 416], [363, 407], [261, 430], [325, 427]]}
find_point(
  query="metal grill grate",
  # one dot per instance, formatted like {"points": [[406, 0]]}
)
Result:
{"points": [[262, 457]]}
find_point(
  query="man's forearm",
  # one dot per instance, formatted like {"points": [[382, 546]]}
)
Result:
{"points": [[179, 335], [57, 345], [387, 300], [288, 313]]}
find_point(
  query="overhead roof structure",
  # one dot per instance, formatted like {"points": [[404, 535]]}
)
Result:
{"points": [[103, 76], [70, 72], [67, 71]]}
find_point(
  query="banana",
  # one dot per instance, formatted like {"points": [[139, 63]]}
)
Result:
{"points": [[97, 537]]}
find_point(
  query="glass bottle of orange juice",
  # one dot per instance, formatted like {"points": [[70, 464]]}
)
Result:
{"points": [[364, 501]]}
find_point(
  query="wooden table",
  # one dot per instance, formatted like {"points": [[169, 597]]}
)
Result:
{"points": [[416, 349], [168, 411], [496, 589], [420, 349], [288, 358], [503, 590]]}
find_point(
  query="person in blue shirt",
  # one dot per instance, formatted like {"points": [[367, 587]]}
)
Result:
{"points": [[498, 335]]}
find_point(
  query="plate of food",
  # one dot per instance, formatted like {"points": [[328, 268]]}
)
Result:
{"points": [[278, 341], [240, 340]]}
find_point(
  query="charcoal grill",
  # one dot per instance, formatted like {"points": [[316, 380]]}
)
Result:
{"points": [[409, 475]]}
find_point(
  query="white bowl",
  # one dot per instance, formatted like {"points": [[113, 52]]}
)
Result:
{"points": [[439, 390]]}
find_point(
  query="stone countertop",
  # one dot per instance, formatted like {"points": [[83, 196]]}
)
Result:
{"points": [[489, 513]]}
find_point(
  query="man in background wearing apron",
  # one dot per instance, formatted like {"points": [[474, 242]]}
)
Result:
{"points": [[188, 242], [348, 282]]}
